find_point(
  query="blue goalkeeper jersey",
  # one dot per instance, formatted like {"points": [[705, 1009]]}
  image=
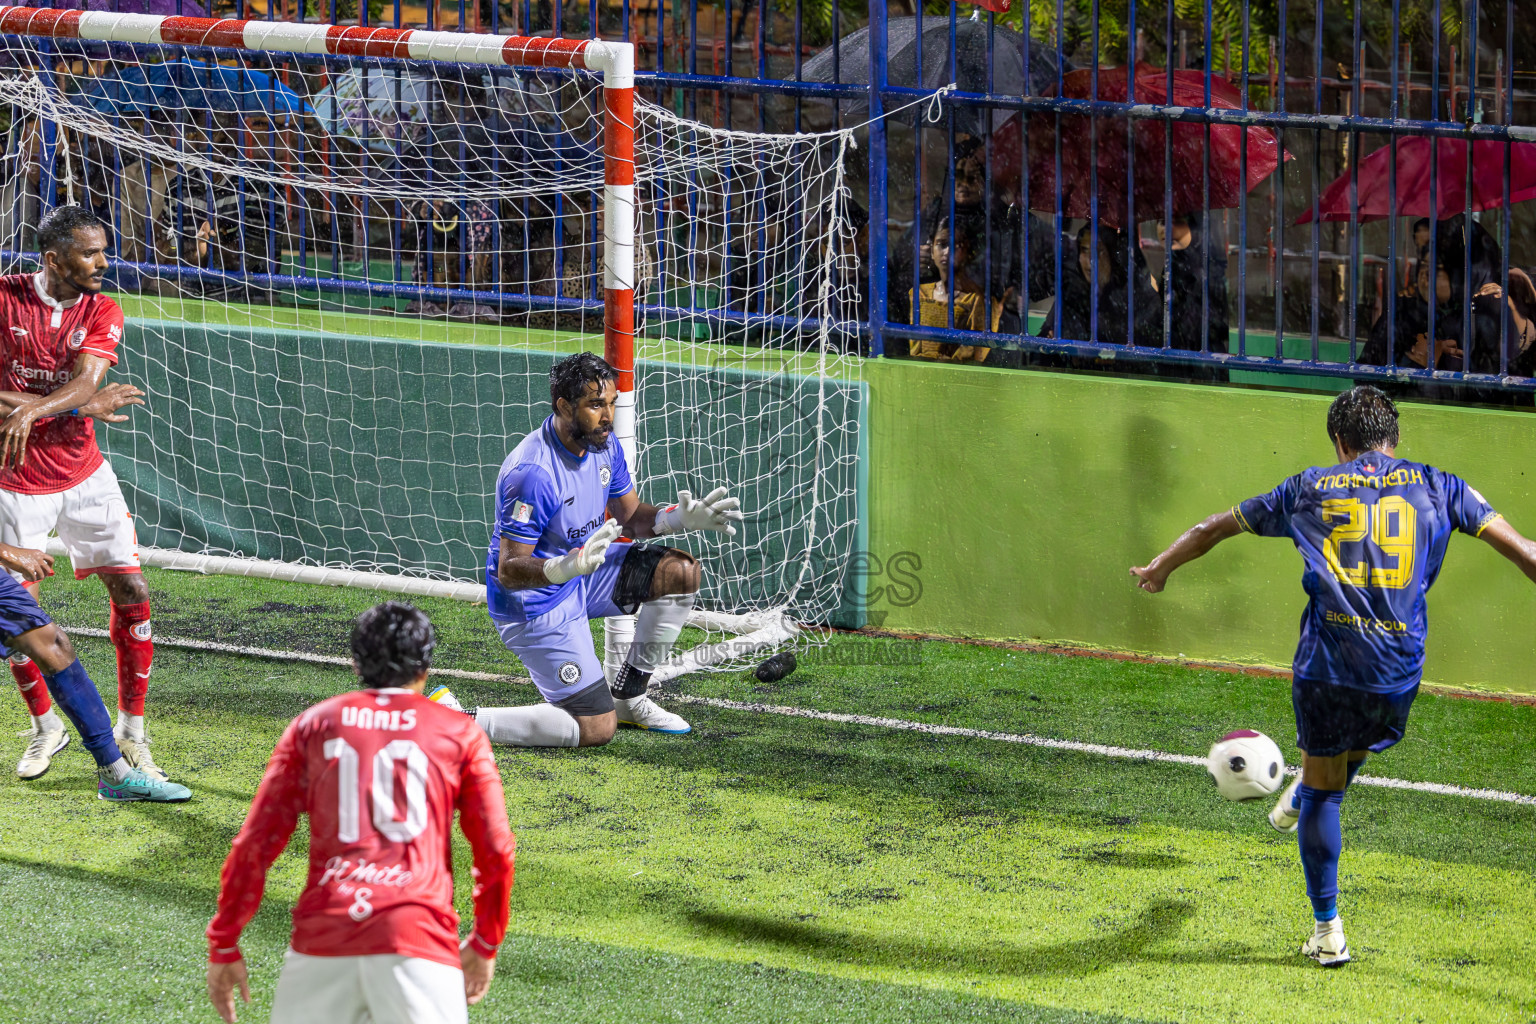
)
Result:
{"points": [[547, 497], [1373, 533]]}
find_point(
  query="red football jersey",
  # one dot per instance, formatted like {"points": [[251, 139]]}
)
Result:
{"points": [[380, 774], [40, 341]]}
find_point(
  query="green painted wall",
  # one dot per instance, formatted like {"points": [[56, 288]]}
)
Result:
{"points": [[1026, 497]]}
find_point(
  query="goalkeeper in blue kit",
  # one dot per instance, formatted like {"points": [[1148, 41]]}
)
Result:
{"points": [[1372, 531]]}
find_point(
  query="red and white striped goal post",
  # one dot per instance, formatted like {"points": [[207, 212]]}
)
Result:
{"points": [[615, 61]]}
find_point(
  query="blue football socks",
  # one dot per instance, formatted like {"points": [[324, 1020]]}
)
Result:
{"points": [[1321, 841], [78, 696]]}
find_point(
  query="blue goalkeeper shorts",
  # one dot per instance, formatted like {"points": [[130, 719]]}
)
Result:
{"points": [[19, 612]]}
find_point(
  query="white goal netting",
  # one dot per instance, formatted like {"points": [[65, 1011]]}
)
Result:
{"points": [[346, 280]]}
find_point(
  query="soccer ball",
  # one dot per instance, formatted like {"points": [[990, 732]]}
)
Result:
{"points": [[1246, 765]]}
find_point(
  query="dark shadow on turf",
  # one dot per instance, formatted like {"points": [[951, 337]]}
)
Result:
{"points": [[270, 924], [1161, 920], [1141, 860]]}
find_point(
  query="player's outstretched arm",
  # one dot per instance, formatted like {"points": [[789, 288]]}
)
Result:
{"points": [[717, 511], [273, 816], [483, 818], [102, 406], [1509, 542], [1194, 542], [16, 428]]}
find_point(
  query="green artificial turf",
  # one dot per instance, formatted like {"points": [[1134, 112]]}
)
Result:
{"points": [[766, 868]]}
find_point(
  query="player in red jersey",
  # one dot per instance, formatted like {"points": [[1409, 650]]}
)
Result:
{"points": [[58, 338], [380, 772]]}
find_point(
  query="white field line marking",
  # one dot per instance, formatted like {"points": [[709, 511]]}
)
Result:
{"points": [[275, 655], [899, 724], [1083, 748]]}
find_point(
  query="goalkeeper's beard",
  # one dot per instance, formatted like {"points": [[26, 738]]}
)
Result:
{"points": [[590, 439]]}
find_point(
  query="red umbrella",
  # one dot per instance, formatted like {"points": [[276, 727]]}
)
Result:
{"points": [[1415, 157], [1189, 144]]}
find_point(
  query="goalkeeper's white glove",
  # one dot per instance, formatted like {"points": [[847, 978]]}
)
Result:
{"points": [[716, 511], [584, 559]]}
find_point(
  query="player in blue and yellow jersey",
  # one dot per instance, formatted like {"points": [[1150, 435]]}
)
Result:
{"points": [[1372, 531], [560, 555]]}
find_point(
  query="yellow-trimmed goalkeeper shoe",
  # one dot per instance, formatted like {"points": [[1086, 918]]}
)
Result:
{"points": [[444, 696], [644, 713]]}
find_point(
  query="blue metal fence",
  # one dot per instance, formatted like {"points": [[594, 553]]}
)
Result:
{"points": [[954, 133]]}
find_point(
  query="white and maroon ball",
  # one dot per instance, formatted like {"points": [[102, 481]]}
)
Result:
{"points": [[1246, 765]]}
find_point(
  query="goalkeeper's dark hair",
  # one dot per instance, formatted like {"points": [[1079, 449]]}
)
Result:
{"points": [[56, 231], [1363, 419], [392, 645], [568, 378]]}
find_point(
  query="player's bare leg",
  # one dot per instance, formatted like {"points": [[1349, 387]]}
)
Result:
{"points": [[47, 735], [1287, 809], [657, 625], [132, 637]]}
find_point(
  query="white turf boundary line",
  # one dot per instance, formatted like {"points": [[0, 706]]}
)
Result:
{"points": [[900, 724]]}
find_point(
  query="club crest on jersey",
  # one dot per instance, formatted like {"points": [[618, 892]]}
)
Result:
{"points": [[604, 475], [522, 512], [77, 339], [570, 673], [141, 630]]}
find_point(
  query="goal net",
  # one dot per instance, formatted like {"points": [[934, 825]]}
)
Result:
{"points": [[349, 257]]}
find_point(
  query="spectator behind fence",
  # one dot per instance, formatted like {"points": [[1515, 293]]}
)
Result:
{"points": [[1001, 246], [965, 288], [1470, 261], [1409, 321], [1522, 310], [1077, 300], [1197, 278], [1420, 236]]}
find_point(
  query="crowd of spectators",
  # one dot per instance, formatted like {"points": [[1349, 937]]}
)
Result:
{"points": [[967, 273]]}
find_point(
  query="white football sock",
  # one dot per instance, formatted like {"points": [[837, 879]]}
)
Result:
{"points": [[46, 721], [656, 629], [119, 769], [533, 725], [129, 726], [618, 634]]}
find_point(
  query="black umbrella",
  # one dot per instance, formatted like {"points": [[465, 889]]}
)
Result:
{"points": [[970, 68]]}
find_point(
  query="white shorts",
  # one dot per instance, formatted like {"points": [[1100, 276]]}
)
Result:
{"points": [[91, 517], [385, 988]]}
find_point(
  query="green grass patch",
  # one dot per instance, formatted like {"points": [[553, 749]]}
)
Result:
{"points": [[774, 869]]}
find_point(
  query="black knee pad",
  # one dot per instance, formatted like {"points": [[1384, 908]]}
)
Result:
{"points": [[633, 587]]}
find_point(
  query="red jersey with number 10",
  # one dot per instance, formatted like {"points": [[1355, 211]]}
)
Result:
{"points": [[40, 341], [380, 774]]}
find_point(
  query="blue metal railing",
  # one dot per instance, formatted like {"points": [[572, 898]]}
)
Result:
{"points": [[1313, 303]]}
